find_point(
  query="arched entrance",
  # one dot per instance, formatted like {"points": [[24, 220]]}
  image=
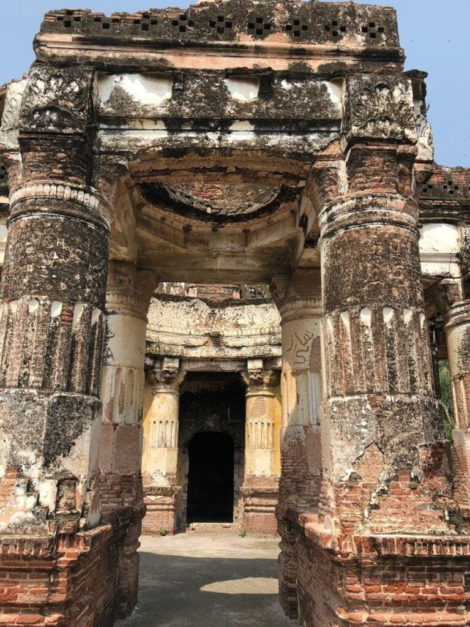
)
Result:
{"points": [[210, 480]]}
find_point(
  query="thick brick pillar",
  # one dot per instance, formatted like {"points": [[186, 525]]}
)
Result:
{"points": [[387, 527], [160, 457], [298, 299], [458, 349], [261, 478], [127, 299], [52, 331], [52, 320], [382, 421]]}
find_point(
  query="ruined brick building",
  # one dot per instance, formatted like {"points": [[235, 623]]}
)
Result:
{"points": [[228, 241]]}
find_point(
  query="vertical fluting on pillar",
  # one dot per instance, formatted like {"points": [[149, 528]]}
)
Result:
{"points": [[458, 348], [260, 420], [261, 480], [160, 454], [382, 430], [52, 328]]}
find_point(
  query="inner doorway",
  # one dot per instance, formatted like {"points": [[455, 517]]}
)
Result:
{"points": [[211, 478]]}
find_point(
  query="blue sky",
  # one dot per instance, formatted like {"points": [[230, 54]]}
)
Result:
{"points": [[434, 34]]}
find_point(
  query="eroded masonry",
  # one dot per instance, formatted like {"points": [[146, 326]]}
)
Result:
{"points": [[231, 269]]}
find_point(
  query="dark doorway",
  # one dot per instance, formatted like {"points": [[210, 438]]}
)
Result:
{"points": [[210, 481]]}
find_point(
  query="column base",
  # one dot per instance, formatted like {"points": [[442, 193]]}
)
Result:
{"points": [[162, 509], [371, 580], [260, 495]]}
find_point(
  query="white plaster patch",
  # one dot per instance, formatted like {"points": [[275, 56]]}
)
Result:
{"points": [[439, 238], [77, 314], [407, 316], [388, 315], [345, 319], [336, 91], [146, 90], [95, 316], [241, 126], [48, 493], [33, 305], [243, 89], [56, 309], [366, 316]]}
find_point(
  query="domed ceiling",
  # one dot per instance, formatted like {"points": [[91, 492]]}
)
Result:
{"points": [[216, 202]]}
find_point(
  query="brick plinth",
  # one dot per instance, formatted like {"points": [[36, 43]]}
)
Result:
{"points": [[260, 500], [71, 578], [63, 581], [386, 580], [161, 505]]}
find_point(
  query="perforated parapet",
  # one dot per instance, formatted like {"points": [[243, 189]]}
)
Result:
{"points": [[341, 24]]}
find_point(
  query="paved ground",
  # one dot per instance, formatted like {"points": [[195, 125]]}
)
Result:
{"points": [[198, 579]]}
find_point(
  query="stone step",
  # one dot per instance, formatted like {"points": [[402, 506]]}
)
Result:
{"points": [[215, 527]]}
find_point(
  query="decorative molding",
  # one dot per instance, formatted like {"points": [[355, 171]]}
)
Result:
{"points": [[88, 197]]}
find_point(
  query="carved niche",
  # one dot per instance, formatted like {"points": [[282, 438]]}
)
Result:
{"points": [[57, 100]]}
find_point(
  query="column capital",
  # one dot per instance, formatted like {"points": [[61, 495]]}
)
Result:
{"points": [[57, 98], [458, 314], [164, 375], [129, 290], [259, 379], [298, 295]]}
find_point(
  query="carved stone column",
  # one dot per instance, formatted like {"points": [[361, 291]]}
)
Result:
{"points": [[260, 487], [458, 348], [128, 295], [298, 299], [160, 456], [127, 300], [385, 508]]}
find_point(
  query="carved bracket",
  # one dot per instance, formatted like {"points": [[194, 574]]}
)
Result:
{"points": [[57, 100], [379, 107]]}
